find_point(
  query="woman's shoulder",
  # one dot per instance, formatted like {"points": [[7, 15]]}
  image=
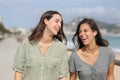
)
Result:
{"points": [[107, 50], [59, 44], [73, 54], [25, 42]]}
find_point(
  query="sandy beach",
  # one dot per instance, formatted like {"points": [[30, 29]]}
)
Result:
{"points": [[8, 49], [117, 68]]}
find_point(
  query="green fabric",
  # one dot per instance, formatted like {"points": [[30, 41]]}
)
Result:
{"points": [[30, 62]]}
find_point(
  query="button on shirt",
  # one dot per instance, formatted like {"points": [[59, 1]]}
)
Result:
{"points": [[33, 66]]}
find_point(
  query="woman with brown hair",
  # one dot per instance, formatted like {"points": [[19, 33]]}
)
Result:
{"points": [[43, 56]]}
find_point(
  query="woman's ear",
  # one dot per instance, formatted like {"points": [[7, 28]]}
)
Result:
{"points": [[95, 32], [45, 21]]}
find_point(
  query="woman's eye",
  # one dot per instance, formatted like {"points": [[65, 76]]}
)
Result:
{"points": [[85, 30], [56, 21]]}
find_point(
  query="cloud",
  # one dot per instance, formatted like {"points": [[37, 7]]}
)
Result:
{"points": [[101, 13], [24, 12], [4, 3], [10, 3]]}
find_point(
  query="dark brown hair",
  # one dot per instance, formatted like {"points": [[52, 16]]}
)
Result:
{"points": [[39, 29], [98, 38]]}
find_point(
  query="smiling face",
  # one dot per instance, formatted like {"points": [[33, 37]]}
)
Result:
{"points": [[86, 34], [53, 25]]}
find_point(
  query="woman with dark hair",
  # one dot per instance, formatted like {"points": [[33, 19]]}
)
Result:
{"points": [[43, 56], [92, 60]]}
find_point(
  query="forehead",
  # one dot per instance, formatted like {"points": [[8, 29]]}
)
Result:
{"points": [[84, 26], [57, 17]]}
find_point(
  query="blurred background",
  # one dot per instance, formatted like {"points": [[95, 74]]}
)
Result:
{"points": [[19, 17]]}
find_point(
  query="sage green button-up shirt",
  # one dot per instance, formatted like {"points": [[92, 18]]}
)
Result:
{"points": [[33, 66]]}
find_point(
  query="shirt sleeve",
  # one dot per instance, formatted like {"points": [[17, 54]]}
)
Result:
{"points": [[71, 62], [19, 59], [111, 56], [64, 69]]}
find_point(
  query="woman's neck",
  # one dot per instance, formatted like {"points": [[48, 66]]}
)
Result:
{"points": [[91, 48], [46, 39]]}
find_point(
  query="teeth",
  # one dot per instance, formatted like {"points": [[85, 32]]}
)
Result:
{"points": [[57, 30], [84, 38]]}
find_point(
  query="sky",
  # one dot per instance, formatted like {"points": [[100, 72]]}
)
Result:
{"points": [[27, 13]]}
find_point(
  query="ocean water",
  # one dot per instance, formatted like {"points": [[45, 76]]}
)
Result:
{"points": [[114, 42]]}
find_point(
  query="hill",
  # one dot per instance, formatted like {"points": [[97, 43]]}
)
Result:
{"points": [[105, 28]]}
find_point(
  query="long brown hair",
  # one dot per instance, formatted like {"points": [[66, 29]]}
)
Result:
{"points": [[98, 38], [39, 29]]}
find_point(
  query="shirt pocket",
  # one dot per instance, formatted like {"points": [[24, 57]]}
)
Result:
{"points": [[52, 63]]}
